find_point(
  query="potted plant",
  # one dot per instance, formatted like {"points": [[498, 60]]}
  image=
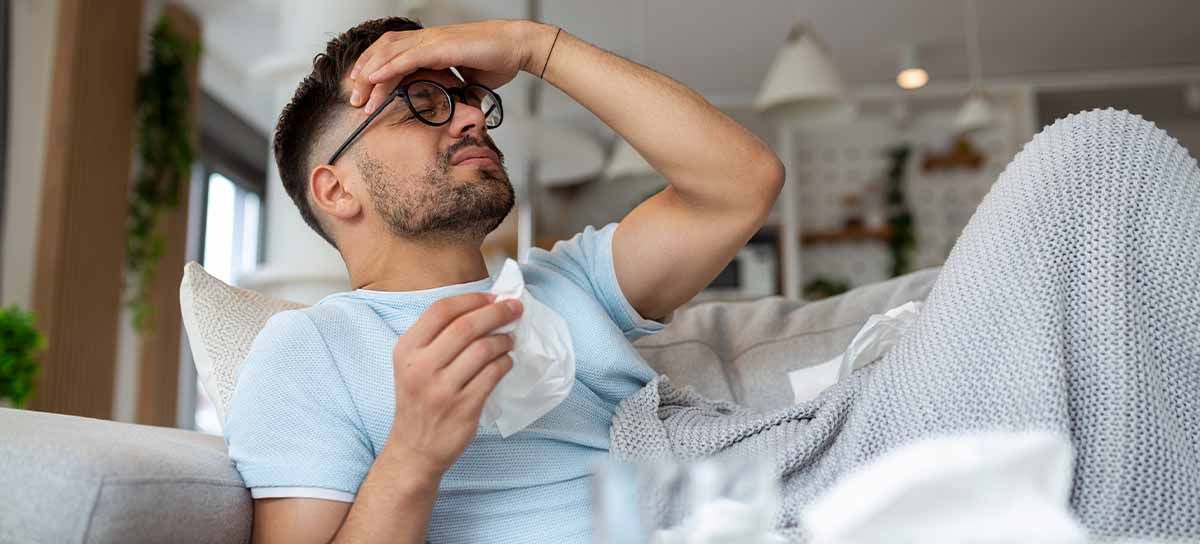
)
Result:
{"points": [[19, 342]]}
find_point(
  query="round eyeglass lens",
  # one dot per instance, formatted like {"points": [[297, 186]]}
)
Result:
{"points": [[487, 102], [430, 102]]}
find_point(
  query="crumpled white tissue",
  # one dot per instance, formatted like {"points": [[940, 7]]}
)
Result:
{"points": [[873, 341], [990, 487], [543, 371]]}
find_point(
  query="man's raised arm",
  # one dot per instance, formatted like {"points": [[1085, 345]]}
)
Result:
{"points": [[723, 180]]}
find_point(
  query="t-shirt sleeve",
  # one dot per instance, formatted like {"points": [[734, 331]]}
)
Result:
{"points": [[292, 427], [587, 260]]}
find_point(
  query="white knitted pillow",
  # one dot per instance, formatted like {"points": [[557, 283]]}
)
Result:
{"points": [[221, 321]]}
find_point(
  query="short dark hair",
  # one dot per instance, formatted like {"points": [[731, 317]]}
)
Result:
{"points": [[312, 110]]}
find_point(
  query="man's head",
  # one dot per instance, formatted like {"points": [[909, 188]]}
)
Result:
{"points": [[398, 175]]}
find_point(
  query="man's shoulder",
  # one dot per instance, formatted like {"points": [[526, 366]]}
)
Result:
{"points": [[330, 321], [330, 312]]}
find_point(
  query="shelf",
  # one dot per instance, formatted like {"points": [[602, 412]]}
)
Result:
{"points": [[848, 234]]}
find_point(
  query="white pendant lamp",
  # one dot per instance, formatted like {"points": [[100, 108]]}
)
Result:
{"points": [[976, 111], [802, 82]]}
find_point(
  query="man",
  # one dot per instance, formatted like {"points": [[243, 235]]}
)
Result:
{"points": [[357, 419]]}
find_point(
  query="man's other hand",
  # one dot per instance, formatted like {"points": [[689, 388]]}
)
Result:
{"points": [[445, 367]]}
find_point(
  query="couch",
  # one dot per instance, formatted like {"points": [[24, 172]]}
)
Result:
{"points": [[71, 479]]}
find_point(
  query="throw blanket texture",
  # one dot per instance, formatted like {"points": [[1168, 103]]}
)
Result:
{"points": [[1071, 302]]}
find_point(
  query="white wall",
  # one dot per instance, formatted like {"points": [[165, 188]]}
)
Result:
{"points": [[32, 23]]}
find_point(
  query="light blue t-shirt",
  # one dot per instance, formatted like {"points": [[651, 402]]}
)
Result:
{"points": [[315, 399]]}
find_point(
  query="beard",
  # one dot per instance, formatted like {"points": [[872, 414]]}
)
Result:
{"points": [[433, 206]]}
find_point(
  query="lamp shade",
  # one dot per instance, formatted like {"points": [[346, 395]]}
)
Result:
{"points": [[565, 156], [803, 82], [626, 162], [975, 113]]}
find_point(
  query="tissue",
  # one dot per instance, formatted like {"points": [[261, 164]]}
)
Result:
{"points": [[873, 341], [877, 337], [996, 487], [543, 370]]}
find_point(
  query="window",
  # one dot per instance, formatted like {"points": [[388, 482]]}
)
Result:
{"points": [[232, 229]]}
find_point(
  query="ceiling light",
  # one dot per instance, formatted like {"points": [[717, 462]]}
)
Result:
{"points": [[912, 75], [803, 81], [976, 111]]}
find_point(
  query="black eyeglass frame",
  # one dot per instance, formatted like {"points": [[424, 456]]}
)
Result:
{"points": [[455, 95]]}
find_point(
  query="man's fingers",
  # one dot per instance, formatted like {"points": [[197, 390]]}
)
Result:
{"points": [[483, 350], [478, 389], [440, 314], [398, 66], [475, 324], [378, 95], [388, 46]]}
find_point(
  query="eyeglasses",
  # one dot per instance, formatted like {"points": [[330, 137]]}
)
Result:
{"points": [[433, 104]]}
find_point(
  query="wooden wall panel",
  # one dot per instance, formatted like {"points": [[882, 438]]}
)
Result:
{"points": [[81, 244]]}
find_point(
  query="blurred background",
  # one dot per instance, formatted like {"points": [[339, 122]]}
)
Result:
{"points": [[136, 138]]}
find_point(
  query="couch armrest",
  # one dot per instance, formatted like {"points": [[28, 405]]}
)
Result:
{"points": [[75, 479]]}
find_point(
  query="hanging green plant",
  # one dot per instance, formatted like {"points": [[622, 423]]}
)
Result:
{"points": [[900, 219], [19, 342], [165, 152]]}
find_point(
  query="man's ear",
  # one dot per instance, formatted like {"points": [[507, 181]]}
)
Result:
{"points": [[331, 195]]}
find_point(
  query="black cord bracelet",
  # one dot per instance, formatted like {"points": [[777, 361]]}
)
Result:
{"points": [[551, 52]]}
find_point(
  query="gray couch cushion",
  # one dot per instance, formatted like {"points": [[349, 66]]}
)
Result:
{"points": [[70, 479], [742, 351]]}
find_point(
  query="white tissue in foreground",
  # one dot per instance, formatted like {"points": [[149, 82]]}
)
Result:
{"points": [[994, 487], [543, 371]]}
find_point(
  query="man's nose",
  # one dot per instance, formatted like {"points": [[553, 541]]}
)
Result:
{"points": [[467, 120]]}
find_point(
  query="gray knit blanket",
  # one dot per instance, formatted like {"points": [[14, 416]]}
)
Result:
{"points": [[1070, 303]]}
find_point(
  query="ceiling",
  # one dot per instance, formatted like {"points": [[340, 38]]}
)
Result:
{"points": [[723, 49]]}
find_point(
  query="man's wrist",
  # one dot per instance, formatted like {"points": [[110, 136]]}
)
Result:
{"points": [[419, 471], [538, 39]]}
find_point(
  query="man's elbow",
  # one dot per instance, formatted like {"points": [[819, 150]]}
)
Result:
{"points": [[769, 176]]}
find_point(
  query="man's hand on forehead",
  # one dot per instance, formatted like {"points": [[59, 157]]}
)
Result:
{"points": [[489, 53]]}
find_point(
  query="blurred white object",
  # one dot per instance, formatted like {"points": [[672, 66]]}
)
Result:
{"points": [[976, 113], [802, 82], [626, 162], [1191, 96], [719, 521], [543, 369], [994, 487], [708, 501], [873, 341], [724, 501]]}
